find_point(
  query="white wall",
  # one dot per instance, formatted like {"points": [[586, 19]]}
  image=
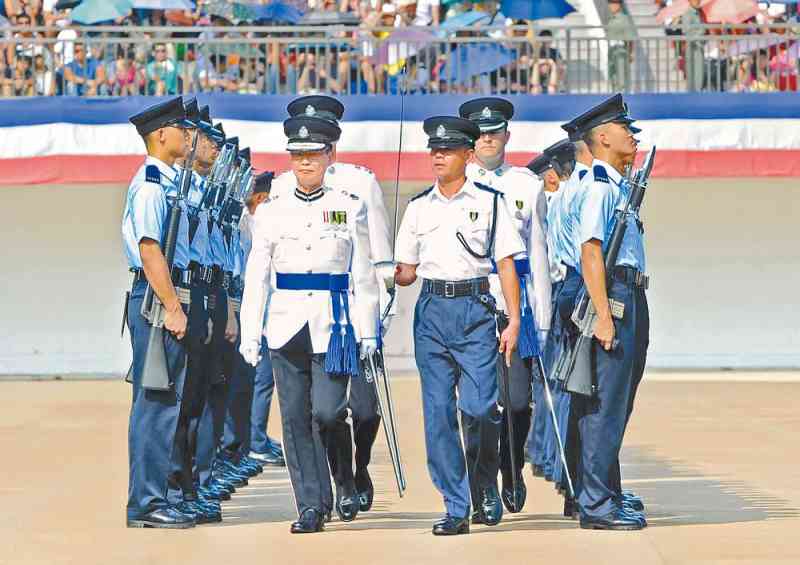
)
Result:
{"points": [[722, 256]]}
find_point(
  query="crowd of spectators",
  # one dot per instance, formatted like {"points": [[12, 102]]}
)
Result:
{"points": [[759, 54], [70, 58]]}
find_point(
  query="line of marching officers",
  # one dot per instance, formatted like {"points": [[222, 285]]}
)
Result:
{"points": [[503, 254]]}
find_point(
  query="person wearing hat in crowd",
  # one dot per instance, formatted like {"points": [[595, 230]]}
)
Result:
{"points": [[606, 129], [154, 413], [183, 492], [451, 235], [311, 253], [362, 182], [263, 448], [525, 202], [619, 31]]}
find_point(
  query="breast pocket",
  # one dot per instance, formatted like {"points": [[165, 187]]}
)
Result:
{"points": [[427, 231], [475, 229], [335, 247], [288, 246]]}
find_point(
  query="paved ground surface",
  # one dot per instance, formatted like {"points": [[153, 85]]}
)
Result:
{"points": [[716, 462]]}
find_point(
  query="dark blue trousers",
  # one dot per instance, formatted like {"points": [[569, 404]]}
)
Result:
{"points": [[263, 387], [456, 353], [238, 404], [153, 418], [210, 425], [602, 420]]}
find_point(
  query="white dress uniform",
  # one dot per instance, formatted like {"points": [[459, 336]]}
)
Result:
{"points": [[298, 234], [525, 201]]}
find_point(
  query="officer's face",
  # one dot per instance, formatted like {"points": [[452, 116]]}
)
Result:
{"points": [[490, 145], [309, 167], [207, 151], [175, 140], [619, 138], [450, 163]]}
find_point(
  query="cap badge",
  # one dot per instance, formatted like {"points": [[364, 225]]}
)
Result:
{"points": [[486, 112], [440, 131], [303, 132], [310, 110]]}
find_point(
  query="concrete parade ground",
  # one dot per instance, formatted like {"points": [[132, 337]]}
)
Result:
{"points": [[715, 460]]}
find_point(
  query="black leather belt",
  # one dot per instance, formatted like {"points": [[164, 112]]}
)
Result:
{"points": [[201, 274], [180, 277], [631, 276], [456, 289]]}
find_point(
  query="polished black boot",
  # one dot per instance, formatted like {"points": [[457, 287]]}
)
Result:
{"points": [[364, 489], [347, 507], [309, 522], [491, 509], [451, 526]]}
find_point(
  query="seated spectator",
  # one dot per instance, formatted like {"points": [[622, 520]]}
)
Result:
{"points": [[18, 79], [44, 83], [218, 76], [763, 81], [162, 73], [545, 67], [783, 69], [744, 74], [428, 13], [83, 76], [123, 79]]}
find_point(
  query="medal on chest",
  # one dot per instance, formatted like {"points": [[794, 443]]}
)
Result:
{"points": [[336, 219]]}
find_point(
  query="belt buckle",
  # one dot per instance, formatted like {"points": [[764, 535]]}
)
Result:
{"points": [[449, 289]]}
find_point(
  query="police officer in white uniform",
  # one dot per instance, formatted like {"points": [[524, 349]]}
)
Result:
{"points": [[362, 182], [310, 253], [450, 236], [525, 202]]}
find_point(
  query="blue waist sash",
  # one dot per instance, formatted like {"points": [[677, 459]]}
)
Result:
{"points": [[342, 355], [528, 342]]}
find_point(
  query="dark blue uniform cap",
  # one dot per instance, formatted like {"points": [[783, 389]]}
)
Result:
{"points": [[233, 141], [263, 182], [540, 164], [245, 154], [205, 114], [491, 114], [610, 110], [563, 151], [308, 133], [192, 111], [161, 115], [447, 131], [318, 106]]}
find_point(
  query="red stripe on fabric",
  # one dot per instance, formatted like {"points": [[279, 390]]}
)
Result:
{"points": [[118, 169]]}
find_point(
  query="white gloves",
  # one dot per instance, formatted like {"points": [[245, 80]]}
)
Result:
{"points": [[251, 352], [368, 347]]}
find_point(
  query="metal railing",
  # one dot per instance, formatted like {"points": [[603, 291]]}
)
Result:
{"points": [[506, 60]]}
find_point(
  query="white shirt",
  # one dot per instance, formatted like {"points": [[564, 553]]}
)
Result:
{"points": [[525, 201], [427, 236], [424, 14], [292, 235]]}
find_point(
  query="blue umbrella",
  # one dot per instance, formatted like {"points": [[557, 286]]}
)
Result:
{"points": [[163, 4], [535, 9], [278, 12], [470, 59], [94, 11]]}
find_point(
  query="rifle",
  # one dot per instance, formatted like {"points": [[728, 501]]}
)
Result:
{"points": [[155, 373], [574, 365]]}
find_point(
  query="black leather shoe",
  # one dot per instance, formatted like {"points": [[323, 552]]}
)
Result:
{"points": [[491, 508], [223, 486], [167, 518], [365, 490], [477, 518], [451, 526], [515, 504], [269, 459], [309, 522], [347, 508], [632, 500], [638, 516], [615, 520], [537, 470]]}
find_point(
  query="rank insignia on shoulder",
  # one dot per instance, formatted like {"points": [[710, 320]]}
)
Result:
{"points": [[354, 197], [520, 204], [152, 174], [600, 173], [335, 217]]}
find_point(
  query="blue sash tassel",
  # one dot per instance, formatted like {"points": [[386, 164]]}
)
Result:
{"points": [[528, 343], [342, 355]]}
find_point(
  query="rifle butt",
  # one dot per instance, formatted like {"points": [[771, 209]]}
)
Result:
{"points": [[580, 379], [155, 373]]}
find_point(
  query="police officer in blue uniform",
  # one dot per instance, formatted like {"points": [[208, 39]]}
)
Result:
{"points": [[310, 254], [602, 419], [449, 236], [183, 492], [263, 448], [154, 413]]}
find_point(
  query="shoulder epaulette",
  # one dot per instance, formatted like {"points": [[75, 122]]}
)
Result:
{"points": [[152, 174], [350, 194], [421, 194], [600, 174], [488, 189], [582, 174]]}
